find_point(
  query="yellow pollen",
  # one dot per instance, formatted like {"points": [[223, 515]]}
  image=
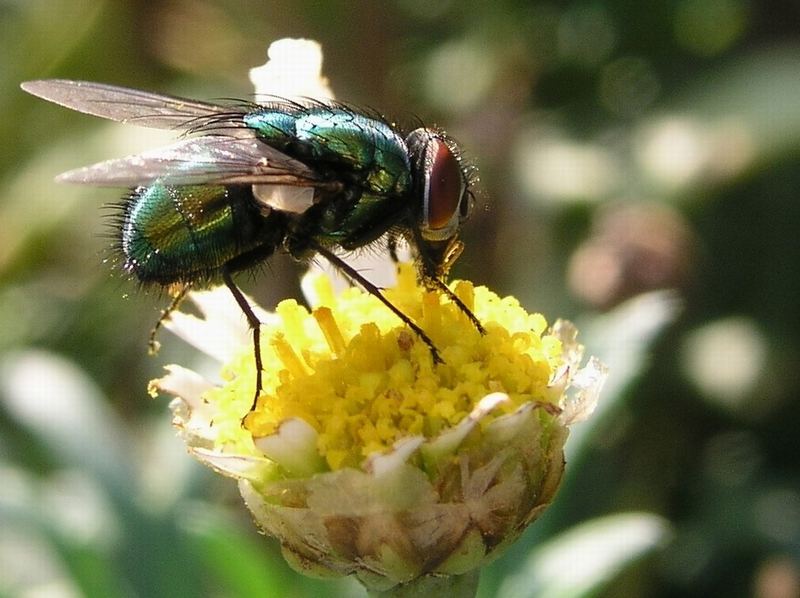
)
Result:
{"points": [[287, 355], [363, 380], [327, 323]]}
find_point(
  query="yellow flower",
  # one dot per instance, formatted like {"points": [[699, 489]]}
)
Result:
{"points": [[362, 455]]}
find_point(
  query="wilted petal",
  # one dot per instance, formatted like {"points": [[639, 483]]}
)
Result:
{"points": [[243, 467], [581, 398]]}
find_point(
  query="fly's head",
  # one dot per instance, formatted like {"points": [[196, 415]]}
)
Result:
{"points": [[443, 200]]}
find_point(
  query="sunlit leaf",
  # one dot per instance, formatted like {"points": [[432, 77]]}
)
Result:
{"points": [[586, 558]]}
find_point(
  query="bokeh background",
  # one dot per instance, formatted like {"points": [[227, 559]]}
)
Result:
{"points": [[639, 174]]}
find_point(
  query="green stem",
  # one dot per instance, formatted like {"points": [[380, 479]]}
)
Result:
{"points": [[452, 586]]}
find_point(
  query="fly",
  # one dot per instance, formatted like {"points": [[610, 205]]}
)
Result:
{"points": [[252, 179]]}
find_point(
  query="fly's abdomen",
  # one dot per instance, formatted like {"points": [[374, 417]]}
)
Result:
{"points": [[183, 233]]}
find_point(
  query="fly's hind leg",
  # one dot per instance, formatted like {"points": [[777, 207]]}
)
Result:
{"points": [[178, 293], [253, 322]]}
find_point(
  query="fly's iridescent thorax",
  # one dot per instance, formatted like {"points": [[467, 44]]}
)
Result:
{"points": [[337, 139], [362, 154], [441, 189]]}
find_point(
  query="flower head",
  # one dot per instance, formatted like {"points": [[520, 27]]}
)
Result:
{"points": [[363, 455]]}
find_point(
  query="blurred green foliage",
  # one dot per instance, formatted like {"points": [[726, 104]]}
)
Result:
{"points": [[624, 148]]}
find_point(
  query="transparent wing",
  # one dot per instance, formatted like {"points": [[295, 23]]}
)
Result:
{"points": [[209, 159], [140, 107]]}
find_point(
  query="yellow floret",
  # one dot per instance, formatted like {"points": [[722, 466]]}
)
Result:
{"points": [[355, 373]]}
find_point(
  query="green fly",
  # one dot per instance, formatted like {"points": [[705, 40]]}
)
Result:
{"points": [[251, 179]]}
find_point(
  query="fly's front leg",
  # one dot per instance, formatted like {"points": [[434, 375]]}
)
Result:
{"points": [[355, 275]]}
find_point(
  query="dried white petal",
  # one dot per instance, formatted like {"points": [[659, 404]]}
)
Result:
{"points": [[580, 399], [567, 333], [242, 467]]}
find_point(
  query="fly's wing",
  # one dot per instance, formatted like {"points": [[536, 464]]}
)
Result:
{"points": [[140, 107], [232, 157], [200, 160]]}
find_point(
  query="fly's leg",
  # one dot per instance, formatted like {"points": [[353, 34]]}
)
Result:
{"points": [[355, 275], [432, 273], [177, 298], [439, 284], [255, 326]]}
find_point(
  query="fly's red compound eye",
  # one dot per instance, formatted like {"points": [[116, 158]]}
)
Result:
{"points": [[444, 187], [440, 184]]}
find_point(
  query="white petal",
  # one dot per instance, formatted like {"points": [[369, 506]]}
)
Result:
{"points": [[191, 415], [448, 441], [381, 463], [487, 404], [374, 263], [293, 447], [223, 329], [211, 337], [505, 428], [294, 70], [185, 383], [285, 198]]}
